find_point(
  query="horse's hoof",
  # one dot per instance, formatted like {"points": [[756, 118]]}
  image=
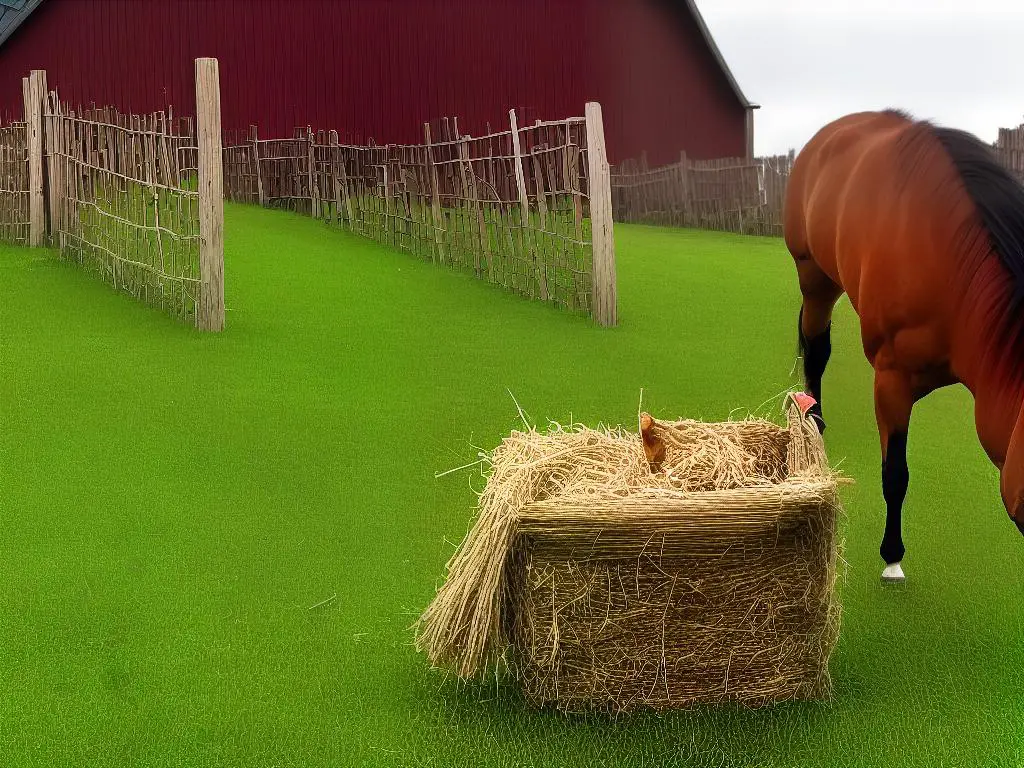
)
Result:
{"points": [[893, 574]]}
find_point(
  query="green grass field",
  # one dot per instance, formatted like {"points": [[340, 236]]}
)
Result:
{"points": [[173, 505]]}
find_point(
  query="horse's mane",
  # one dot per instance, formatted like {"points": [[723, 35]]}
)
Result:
{"points": [[996, 193], [998, 197], [893, 112]]}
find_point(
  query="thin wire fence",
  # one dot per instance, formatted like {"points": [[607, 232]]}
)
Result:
{"points": [[124, 201], [14, 184], [511, 207]]}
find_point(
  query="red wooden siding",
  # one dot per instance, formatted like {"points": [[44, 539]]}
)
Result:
{"points": [[380, 68]]}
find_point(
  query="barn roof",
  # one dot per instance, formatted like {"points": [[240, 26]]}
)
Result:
{"points": [[691, 6], [12, 13]]}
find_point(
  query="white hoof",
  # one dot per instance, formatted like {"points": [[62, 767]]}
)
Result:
{"points": [[893, 574]]}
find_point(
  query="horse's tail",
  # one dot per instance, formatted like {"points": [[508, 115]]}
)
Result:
{"points": [[800, 331]]}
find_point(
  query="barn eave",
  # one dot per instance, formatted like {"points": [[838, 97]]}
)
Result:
{"points": [[691, 6], [13, 13]]}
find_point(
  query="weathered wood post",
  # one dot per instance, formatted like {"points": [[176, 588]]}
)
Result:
{"points": [[474, 206], [314, 185], [517, 153], [390, 222], [435, 199], [529, 251], [260, 196], [603, 289], [538, 175], [211, 197], [34, 91], [335, 179], [684, 182], [55, 168]]}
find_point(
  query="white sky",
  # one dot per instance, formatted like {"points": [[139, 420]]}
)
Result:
{"points": [[958, 62]]}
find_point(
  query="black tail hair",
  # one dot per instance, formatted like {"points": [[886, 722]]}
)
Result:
{"points": [[997, 194]]}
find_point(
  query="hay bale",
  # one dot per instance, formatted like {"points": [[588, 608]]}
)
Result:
{"points": [[603, 583]]}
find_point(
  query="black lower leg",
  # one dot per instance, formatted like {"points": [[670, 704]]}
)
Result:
{"points": [[895, 479], [816, 352]]}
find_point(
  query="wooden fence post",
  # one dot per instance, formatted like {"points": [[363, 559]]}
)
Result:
{"points": [[261, 198], [314, 181], [343, 183], [335, 177], [524, 203], [685, 181], [34, 91], [435, 199], [603, 289], [524, 207], [538, 175], [211, 197], [389, 217], [474, 205], [54, 166]]}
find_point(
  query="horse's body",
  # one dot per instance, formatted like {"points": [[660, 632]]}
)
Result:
{"points": [[924, 231]]}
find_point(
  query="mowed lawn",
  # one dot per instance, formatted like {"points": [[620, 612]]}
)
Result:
{"points": [[174, 507]]}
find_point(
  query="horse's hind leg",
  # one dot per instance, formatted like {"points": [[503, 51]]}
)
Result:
{"points": [[820, 294]]}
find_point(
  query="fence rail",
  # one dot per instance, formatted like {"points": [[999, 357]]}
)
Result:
{"points": [[514, 207]]}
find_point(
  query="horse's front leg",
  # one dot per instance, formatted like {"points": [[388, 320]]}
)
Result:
{"points": [[815, 329], [894, 400], [816, 349]]}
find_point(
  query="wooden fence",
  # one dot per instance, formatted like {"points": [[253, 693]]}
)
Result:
{"points": [[1009, 148], [14, 191], [137, 199], [737, 195], [775, 170], [528, 208], [731, 194]]}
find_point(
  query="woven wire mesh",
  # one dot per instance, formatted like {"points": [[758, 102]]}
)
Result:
{"points": [[517, 217], [124, 201], [14, 186]]}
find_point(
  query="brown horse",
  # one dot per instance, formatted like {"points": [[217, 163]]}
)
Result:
{"points": [[923, 229]]}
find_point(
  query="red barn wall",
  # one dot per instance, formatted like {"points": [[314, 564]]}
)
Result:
{"points": [[381, 68]]}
